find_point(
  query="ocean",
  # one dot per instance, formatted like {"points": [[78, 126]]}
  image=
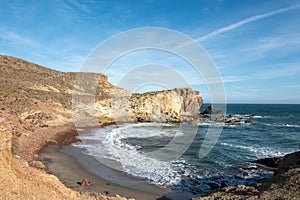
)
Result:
{"points": [[271, 130]]}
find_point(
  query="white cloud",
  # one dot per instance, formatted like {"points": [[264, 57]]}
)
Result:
{"points": [[273, 46], [229, 79], [283, 70], [255, 50], [16, 38], [71, 11], [278, 42], [244, 22]]}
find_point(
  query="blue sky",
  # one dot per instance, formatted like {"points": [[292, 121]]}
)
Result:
{"points": [[254, 44]]}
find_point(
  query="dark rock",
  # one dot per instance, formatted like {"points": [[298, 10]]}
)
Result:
{"points": [[270, 162], [287, 162], [231, 122], [210, 110]]}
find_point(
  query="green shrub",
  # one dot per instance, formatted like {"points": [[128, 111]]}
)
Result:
{"points": [[14, 145]]}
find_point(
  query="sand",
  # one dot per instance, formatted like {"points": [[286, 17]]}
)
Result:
{"points": [[60, 161]]}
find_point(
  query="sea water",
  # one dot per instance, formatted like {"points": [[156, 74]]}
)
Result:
{"points": [[274, 131]]}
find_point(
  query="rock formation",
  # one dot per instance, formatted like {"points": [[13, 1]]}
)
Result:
{"points": [[283, 185], [174, 105], [166, 106], [96, 100], [210, 110]]}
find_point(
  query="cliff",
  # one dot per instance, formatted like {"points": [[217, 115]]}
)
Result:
{"points": [[174, 105], [36, 110], [166, 106], [18, 179]]}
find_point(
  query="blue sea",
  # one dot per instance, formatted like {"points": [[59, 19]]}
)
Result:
{"points": [[272, 130]]}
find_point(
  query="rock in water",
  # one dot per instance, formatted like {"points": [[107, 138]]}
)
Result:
{"points": [[210, 110]]}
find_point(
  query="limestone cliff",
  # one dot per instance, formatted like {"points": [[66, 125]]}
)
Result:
{"points": [[165, 106], [174, 105]]}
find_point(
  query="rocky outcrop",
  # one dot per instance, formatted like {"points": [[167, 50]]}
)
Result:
{"points": [[270, 162], [210, 110], [283, 185], [175, 105], [105, 103]]}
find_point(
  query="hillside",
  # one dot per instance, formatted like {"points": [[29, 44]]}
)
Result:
{"points": [[22, 79], [35, 110], [43, 97]]}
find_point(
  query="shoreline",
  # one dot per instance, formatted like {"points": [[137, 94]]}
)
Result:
{"points": [[69, 170]]}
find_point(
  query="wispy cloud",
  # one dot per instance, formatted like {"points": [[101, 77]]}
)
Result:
{"points": [[244, 22], [71, 10], [229, 79], [283, 70], [16, 38], [277, 42], [268, 47]]}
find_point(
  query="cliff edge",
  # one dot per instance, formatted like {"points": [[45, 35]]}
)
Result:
{"points": [[175, 105]]}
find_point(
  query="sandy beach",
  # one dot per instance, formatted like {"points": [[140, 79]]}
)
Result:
{"points": [[70, 171]]}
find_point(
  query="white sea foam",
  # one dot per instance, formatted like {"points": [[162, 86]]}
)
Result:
{"points": [[243, 116], [257, 116], [222, 124], [281, 125], [212, 124], [130, 159], [118, 146], [290, 125], [259, 152]]}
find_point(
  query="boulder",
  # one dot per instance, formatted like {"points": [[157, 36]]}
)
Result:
{"points": [[210, 110]]}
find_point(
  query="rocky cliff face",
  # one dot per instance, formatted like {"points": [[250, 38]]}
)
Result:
{"points": [[174, 105], [165, 106]]}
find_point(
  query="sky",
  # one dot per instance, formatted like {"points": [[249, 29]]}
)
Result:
{"points": [[254, 44]]}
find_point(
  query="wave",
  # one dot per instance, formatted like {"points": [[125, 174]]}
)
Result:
{"points": [[212, 124], [247, 116], [259, 152], [115, 146], [129, 158], [253, 171], [281, 125], [290, 125], [222, 124], [254, 116]]}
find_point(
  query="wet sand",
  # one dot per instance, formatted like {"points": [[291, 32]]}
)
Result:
{"points": [[71, 166]]}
